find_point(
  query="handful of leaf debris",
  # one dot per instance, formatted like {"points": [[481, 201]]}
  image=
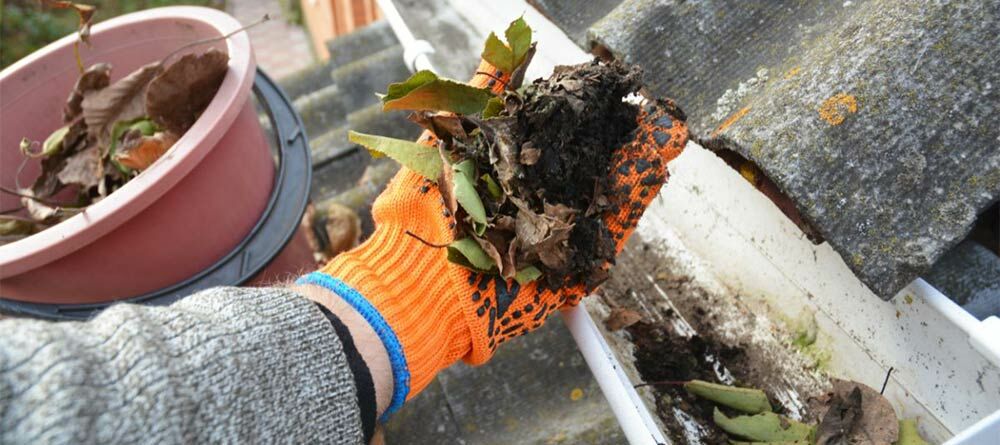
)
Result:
{"points": [[524, 172], [112, 132]]}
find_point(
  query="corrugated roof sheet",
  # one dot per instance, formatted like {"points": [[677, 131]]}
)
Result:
{"points": [[879, 118]]}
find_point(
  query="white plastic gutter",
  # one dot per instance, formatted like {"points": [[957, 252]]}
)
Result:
{"points": [[414, 51]]}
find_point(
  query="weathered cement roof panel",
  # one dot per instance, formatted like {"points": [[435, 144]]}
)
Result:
{"points": [[886, 133], [879, 118]]}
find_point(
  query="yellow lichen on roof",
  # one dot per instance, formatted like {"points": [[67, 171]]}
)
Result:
{"points": [[835, 109], [731, 120]]}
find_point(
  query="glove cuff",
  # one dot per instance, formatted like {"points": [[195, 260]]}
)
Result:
{"points": [[412, 297]]}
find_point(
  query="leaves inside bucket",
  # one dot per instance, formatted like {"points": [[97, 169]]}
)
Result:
{"points": [[112, 131]]}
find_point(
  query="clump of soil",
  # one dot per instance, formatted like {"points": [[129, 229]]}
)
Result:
{"points": [[562, 132], [666, 360]]}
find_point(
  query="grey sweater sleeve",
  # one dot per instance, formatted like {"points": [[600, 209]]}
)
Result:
{"points": [[232, 365]]}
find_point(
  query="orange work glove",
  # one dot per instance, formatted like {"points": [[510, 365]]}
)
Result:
{"points": [[430, 312]]}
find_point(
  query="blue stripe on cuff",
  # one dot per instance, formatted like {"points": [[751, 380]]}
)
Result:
{"points": [[400, 373]]}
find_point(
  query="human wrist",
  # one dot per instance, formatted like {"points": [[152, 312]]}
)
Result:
{"points": [[366, 340]]}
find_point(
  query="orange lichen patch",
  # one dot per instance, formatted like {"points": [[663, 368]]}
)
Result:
{"points": [[731, 120], [792, 73], [835, 109]]}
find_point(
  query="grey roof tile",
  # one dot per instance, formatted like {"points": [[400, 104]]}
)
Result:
{"points": [[361, 43], [878, 118], [574, 19]]}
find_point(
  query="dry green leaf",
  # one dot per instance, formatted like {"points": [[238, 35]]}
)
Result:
{"points": [[123, 100], [96, 77], [527, 275], [747, 400], [908, 433], [508, 58], [465, 190], [54, 143], [764, 427], [466, 252], [518, 36], [493, 108], [177, 97], [426, 91], [498, 54], [492, 187], [142, 124], [419, 158]]}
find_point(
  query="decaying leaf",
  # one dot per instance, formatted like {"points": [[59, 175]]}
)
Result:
{"points": [[465, 191], [419, 158], [621, 318], [529, 154], [12, 226], [83, 168], [467, 253], [527, 275], [857, 414], [177, 97], [97, 77], [493, 108], [138, 151], [764, 427], [909, 434], [747, 400], [542, 236], [42, 212], [122, 101], [424, 90], [494, 254]]}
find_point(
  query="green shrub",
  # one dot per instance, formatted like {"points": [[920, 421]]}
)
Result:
{"points": [[25, 26]]}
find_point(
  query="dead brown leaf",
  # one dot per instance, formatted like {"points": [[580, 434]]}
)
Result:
{"points": [[621, 318], [542, 236], [494, 254], [121, 101], [180, 94], [97, 77], [42, 212], [858, 415], [85, 12], [83, 168], [138, 152], [444, 126], [529, 154]]}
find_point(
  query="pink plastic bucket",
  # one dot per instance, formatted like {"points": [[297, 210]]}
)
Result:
{"points": [[185, 212]]}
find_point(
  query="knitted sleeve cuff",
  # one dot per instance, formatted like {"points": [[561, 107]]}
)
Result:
{"points": [[397, 360]]}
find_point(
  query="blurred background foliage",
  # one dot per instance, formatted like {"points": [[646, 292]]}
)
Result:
{"points": [[26, 26]]}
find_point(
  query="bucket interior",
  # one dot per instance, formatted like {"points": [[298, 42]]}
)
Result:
{"points": [[34, 94]]}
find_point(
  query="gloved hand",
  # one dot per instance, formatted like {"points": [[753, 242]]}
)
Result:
{"points": [[430, 312]]}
